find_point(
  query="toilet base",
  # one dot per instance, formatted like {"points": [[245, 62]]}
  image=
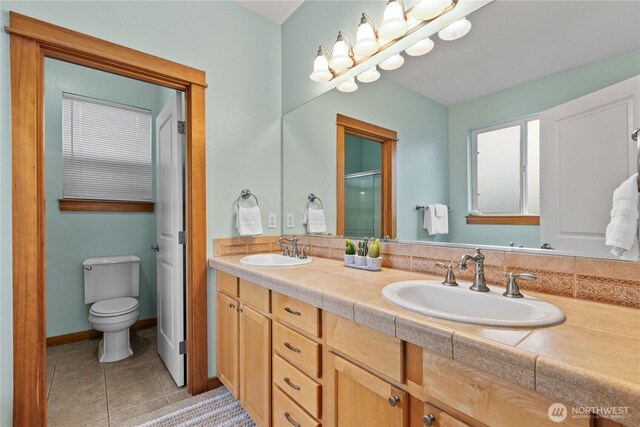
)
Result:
{"points": [[114, 346]]}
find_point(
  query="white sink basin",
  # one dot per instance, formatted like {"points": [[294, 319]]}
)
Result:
{"points": [[432, 298], [272, 260]]}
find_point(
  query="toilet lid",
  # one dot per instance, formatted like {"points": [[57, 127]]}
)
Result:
{"points": [[114, 307]]}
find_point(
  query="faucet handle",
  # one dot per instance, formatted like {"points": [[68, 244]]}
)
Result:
{"points": [[449, 277], [303, 254], [285, 250], [513, 291]]}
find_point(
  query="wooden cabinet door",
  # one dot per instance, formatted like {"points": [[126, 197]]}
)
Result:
{"points": [[255, 365], [227, 342], [360, 398]]}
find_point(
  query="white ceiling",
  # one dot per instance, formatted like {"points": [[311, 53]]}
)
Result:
{"points": [[517, 41], [275, 11]]}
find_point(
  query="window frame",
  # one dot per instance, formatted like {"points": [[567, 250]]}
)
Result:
{"points": [[522, 217]]}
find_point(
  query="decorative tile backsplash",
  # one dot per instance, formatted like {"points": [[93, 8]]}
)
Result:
{"points": [[613, 282]]}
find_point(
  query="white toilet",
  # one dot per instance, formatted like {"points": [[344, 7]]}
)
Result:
{"points": [[111, 283]]}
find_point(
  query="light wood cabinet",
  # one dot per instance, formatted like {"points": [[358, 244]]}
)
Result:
{"points": [[227, 342], [255, 365], [356, 397]]}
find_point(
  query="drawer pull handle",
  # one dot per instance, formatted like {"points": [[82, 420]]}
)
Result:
{"points": [[291, 420], [394, 400], [292, 348], [428, 420], [290, 384], [290, 311]]}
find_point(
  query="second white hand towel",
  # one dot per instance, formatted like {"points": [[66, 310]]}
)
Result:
{"points": [[434, 224], [622, 231], [249, 221], [314, 220]]}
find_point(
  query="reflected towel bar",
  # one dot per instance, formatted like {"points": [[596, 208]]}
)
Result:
{"points": [[425, 207]]}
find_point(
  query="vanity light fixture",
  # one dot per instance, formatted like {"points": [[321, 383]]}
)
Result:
{"points": [[429, 9], [366, 39], [456, 30], [321, 72], [342, 57], [394, 23], [392, 63], [421, 47], [348, 86], [369, 76]]}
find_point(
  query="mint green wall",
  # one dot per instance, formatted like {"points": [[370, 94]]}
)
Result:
{"points": [[72, 237], [360, 155], [518, 102], [309, 151], [239, 51]]}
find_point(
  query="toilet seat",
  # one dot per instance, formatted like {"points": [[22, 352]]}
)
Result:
{"points": [[114, 307]]}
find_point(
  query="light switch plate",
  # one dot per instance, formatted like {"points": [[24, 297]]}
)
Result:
{"points": [[272, 221], [289, 220]]}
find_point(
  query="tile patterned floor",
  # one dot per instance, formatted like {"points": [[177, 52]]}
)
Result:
{"points": [[84, 392]]}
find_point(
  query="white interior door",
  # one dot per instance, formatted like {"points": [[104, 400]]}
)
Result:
{"points": [[170, 255], [586, 152]]}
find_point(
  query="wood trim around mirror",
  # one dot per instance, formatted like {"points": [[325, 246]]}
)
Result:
{"points": [[504, 219], [31, 41], [388, 139]]}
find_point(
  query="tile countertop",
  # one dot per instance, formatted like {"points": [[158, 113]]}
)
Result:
{"points": [[592, 359]]}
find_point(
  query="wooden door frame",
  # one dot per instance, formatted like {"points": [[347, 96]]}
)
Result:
{"points": [[31, 41], [388, 139]]}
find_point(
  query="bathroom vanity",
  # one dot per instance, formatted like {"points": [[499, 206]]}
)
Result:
{"points": [[317, 344]]}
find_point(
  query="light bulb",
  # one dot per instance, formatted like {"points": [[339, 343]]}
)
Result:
{"points": [[321, 72], [370, 75], [455, 30], [421, 47], [366, 40], [429, 9], [348, 86], [394, 24], [341, 57], [392, 63]]}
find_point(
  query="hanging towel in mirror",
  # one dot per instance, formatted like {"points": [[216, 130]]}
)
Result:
{"points": [[314, 220], [622, 231], [433, 223], [249, 221]]}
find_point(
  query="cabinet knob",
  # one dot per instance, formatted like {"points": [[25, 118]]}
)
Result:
{"points": [[232, 305], [428, 420], [394, 400], [240, 310]]}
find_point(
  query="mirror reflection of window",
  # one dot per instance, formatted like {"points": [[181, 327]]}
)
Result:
{"points": [[362, 187], [506, 169]]}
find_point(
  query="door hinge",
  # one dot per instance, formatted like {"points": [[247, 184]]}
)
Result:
{"points": [[181, 127], [182, 347], [182, 239]]}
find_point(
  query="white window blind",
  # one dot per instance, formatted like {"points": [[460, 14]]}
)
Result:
{"points": [[106, 150]]}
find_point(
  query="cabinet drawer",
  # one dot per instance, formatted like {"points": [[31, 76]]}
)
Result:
{"points": [[255, 295], [297, 349], [301, 315], [227, 283], [305, 391], [374, 349], [286, 413]]}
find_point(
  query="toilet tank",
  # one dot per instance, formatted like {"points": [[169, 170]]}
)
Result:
{"points": [[111, 277]]}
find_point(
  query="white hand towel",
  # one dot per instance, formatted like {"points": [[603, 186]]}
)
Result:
{"points": [[622, 231], [249, 221], [434, 224], [314, 220], [441, 210]]}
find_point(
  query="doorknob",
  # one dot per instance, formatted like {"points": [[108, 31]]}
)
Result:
{"points": [[155, 248]]}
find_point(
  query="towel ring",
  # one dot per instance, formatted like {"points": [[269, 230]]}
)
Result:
{"points": [[245, 194], [312, 198]]}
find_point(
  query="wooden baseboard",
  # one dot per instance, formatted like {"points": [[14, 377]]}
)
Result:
{"points": [[213, 382], [92, 333]]}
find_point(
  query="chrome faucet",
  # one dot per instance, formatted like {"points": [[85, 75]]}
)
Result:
{"points": [[294, 246], [479, 281]]}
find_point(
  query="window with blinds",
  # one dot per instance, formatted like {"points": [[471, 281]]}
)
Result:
{"points": [[106, 150]]}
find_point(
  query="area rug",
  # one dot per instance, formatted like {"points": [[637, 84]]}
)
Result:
{"points": [[213, 408]]}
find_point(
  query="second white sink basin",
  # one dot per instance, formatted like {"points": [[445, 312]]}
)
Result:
{"points": [[432, 298], [272, 260]]}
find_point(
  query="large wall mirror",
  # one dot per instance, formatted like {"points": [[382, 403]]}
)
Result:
{"points": [[521, 128]]}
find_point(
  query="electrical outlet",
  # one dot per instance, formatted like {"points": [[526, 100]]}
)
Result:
{"points": [[289, 220], [272, 221]]}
